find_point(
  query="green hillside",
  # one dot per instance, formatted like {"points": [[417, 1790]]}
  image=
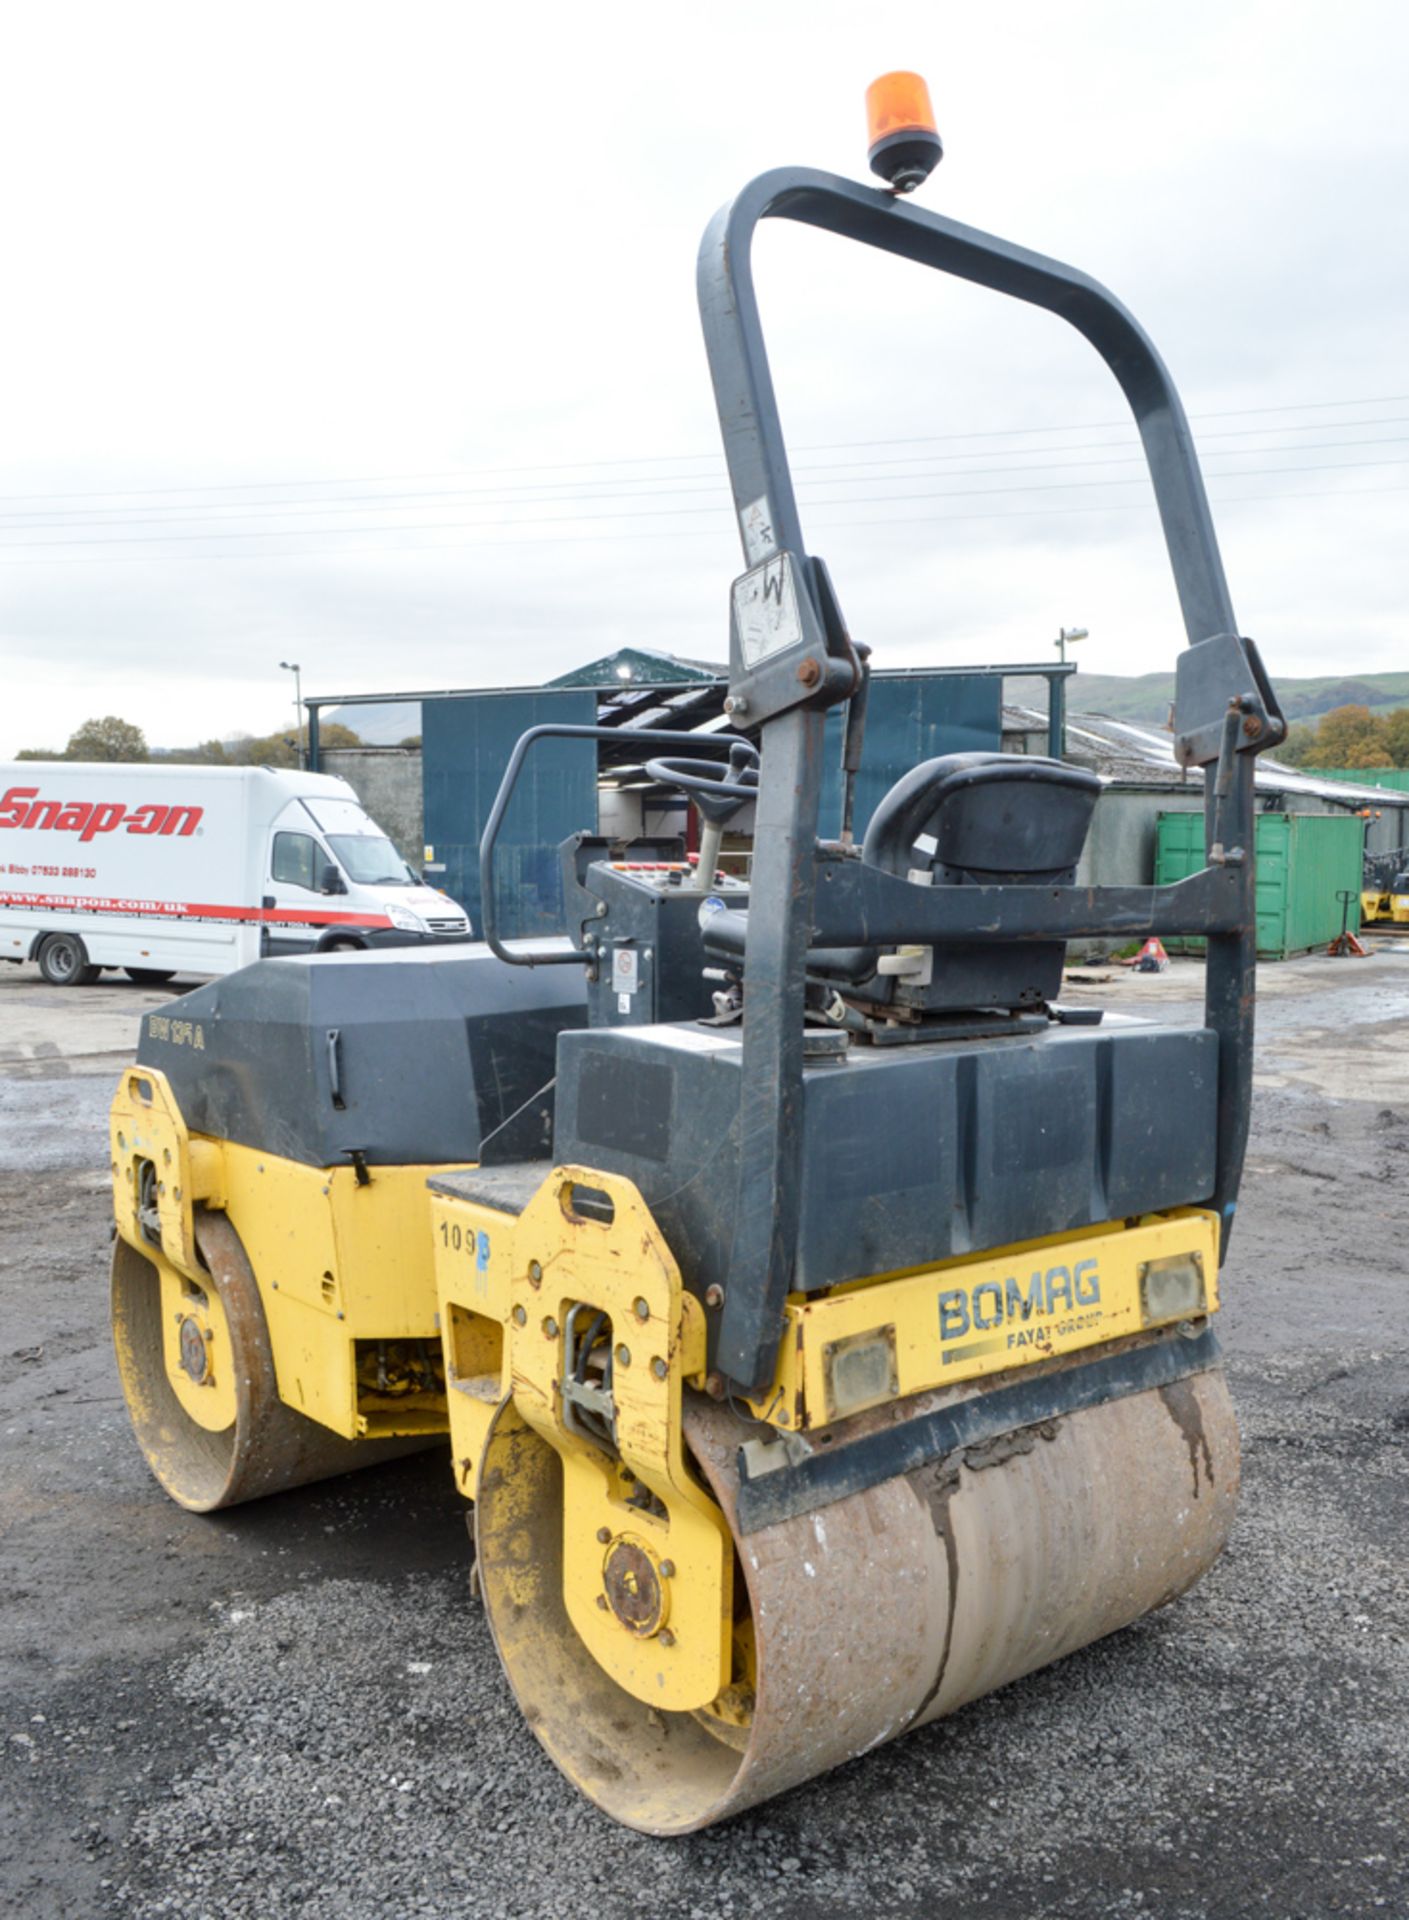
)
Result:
{"points": [[1147, 697]]}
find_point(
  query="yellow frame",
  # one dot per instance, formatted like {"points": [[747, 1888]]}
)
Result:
{"points": [[335, 1261], [1008, 1317], [528, 1272]]}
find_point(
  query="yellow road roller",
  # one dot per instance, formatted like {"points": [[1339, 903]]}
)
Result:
{"points": [[1384, 898], [818, 1313]]}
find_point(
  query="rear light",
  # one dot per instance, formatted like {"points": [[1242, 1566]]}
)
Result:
{"points": [[1172, 1288], [859, 1371]]}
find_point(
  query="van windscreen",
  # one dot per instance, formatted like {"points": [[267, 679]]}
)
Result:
{"points": [[370, 859]]}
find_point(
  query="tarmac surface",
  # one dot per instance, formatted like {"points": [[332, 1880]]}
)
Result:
{"points": [[296, 1708]]}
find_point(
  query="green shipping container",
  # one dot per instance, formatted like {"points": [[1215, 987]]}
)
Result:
{"points": [[1303, 861]]}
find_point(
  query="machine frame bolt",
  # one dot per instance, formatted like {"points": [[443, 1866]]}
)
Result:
{"points": [[809, 673], [520, 1317], [714, 1296], [623, 1355], [667, 1569], [642, 1310], [550, 1328], [666, 1637], [736, 703], [604, 1535], [659, 1368], [535, 1274]]}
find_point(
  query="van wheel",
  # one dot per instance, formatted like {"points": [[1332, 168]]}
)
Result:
{"points": [[342, 946], [63, 961], [150, 976]]}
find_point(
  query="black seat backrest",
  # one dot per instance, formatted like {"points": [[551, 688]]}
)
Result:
{"points": [[965, 819], [988, 818], [983, 819]]}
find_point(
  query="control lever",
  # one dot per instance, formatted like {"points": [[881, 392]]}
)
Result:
{"points": [[853, 740], [1218, 855]]}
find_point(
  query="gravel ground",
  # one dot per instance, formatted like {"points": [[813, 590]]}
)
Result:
{"points": [[296, 1708]]}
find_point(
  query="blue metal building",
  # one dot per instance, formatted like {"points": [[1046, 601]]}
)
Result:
{"points": [[467, 737]]}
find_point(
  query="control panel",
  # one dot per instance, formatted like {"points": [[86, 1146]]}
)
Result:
{"points": [[670, 874], [645, 932]]}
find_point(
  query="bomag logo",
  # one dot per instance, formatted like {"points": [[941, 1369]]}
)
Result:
{"points": [[1014, 1313], [23, 807]]}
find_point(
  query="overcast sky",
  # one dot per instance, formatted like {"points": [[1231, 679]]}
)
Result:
{"points": [[365, 336]]}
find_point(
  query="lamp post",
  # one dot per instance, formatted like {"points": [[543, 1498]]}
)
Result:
{"points": [[291, 666], [1057, 694]]}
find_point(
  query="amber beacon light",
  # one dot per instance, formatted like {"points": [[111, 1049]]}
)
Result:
{"points": [[905, 145]]}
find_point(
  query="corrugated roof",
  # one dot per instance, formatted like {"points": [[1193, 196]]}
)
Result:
{"points": [[639, 666], [1121, 750]]}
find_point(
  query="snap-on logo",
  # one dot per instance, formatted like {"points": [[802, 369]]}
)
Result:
{"points": [[22, 807]]}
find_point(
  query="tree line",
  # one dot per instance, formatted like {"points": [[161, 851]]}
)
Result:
{"points": [[1349, 736], [112, 738]]}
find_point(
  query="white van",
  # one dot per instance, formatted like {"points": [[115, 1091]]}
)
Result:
{"points": [[163, 870]]}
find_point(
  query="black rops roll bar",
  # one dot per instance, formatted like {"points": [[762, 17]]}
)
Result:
{"points": [[788, 673], [562, 956]]}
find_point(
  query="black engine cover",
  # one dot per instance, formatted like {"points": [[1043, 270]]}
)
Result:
{"points": [[909, 1154], [433, 1051]]}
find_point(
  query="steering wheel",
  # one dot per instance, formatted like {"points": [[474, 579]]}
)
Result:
{"points": [[718, 788]]}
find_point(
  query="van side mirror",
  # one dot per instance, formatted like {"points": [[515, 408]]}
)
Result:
{"points": [[332, 881]]}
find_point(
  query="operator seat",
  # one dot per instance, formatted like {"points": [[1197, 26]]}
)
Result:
{"points": [[963, 819]]}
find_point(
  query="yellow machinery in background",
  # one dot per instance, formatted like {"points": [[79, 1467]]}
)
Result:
{"points": [[1384, 898], [818, 1313]]}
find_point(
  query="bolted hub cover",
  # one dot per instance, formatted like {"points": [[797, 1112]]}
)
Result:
{"points": [[633, 1587], [193, 1349]]}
